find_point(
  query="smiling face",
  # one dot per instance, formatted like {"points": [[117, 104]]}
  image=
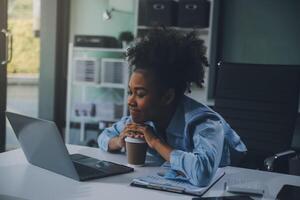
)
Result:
{"points": [[144, 101]]}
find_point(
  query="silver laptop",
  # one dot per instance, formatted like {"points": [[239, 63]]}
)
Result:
{"points": [[44, 147]]}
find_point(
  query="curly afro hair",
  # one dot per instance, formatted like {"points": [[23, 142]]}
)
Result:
{"points": [[177, 59]]}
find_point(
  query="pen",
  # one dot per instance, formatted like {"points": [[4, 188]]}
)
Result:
{"points": [[241, 190]]}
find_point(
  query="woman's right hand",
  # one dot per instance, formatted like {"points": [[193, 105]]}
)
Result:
{"points": [[121, 139], [130, 130], [118, 142]]}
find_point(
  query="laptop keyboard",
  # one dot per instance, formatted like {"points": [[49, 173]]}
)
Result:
{"points": [[103, 165], [88, 167], [87, 172]]}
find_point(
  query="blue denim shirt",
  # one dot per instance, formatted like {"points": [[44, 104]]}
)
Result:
{"points": [[200, 137]]}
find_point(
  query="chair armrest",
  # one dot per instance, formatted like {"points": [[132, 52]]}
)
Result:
{"points": [[279, 162]]}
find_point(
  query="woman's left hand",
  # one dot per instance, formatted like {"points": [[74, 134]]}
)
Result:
{"points": [[146, 132]]}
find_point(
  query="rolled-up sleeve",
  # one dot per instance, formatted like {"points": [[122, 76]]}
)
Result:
{"points": [[111, 132], [200, 165]]}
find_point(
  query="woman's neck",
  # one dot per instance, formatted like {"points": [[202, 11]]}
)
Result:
{"points": [[165, 117]]}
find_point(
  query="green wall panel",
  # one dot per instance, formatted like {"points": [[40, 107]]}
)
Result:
{"points": [[260, 31]]}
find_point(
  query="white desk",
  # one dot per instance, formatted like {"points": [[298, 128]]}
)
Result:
{"points": [[20, 179]]}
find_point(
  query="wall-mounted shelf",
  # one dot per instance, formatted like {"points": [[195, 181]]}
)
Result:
{"points": [[101, 85], [97, 49], [198, 30]]}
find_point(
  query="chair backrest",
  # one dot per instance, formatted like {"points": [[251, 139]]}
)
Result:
{"points": [[260, 102]]}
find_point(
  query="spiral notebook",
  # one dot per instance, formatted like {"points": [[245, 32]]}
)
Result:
{"points": [[158, 182]]}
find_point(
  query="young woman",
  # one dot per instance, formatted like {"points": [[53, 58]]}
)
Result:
{"points": [[192, 137]]}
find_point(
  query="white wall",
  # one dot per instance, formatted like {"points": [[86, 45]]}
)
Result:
{"points": [[86, 17]]}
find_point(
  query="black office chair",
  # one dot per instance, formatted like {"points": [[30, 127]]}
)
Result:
{"points": [[260, 102]]}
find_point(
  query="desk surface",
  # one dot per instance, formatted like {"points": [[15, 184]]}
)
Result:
{"points": [[20, 179]]}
